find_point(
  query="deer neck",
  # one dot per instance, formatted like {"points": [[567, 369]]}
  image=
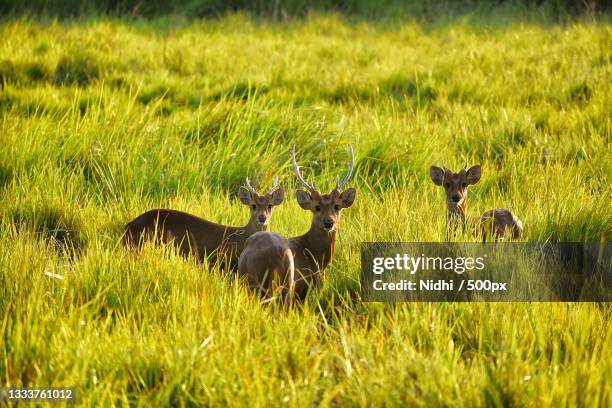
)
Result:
{"points": [[455, 215], [320, 244], [253, 227]]}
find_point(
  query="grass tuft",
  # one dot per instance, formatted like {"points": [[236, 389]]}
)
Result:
{"points": [[581, 92], [77, 68], [58, 229], [402, 88], [242, 91]]}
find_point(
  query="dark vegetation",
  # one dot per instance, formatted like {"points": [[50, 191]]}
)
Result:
{"points": [[287, 9]]}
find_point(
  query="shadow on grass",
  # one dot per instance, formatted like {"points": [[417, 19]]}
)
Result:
{"points": [[23, 72], [242, 90], [60, 230], [6, 175], [74, 68]]}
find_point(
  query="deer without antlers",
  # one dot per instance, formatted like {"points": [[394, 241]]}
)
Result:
{"points": [[202, 238], [271, 261], [498, 222]]}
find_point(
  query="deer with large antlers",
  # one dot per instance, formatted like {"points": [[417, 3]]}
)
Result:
{"points": [[497, 223], [202, 238], [271, 262]]}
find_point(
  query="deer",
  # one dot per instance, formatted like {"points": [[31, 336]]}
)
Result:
{"points": [[272, 263], [499, 222], [203, 239]]}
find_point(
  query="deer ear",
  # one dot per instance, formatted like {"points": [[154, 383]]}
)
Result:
{"points": [[278, 196], [437, 175], [245, 196], [304, 199], [348, 197], [473, 174]]}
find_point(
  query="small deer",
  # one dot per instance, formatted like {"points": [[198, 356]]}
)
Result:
{"points": [[202, 238], [271, 262], [498, 222]]}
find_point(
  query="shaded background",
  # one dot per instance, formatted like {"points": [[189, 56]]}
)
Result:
{"points": [[557, 10]]}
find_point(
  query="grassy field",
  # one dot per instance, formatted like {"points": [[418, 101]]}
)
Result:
{"points": [[101, 120]]}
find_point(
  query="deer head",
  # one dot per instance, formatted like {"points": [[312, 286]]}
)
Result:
{"points": [[326, 208], [261, 205], [455, 184]]}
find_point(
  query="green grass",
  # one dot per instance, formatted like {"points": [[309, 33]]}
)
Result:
{"points": [[102, 120]]}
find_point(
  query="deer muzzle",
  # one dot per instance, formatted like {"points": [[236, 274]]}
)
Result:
{"points": [[328, 224]]}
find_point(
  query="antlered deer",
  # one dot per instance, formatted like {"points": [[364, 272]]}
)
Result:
{"points": [[271, 261], [202, 238], [498, 222]]}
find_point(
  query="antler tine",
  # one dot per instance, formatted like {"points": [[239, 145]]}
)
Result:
{"points": [[298, 174], [351, 166], [250, 186], [274, 184], [312, 184], [443, 166]]}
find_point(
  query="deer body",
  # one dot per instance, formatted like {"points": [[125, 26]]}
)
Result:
{"points": [[310, 254], [192, 235], [500, 222], [199, 237], [267, 259], [497, 223], [267, 256]]}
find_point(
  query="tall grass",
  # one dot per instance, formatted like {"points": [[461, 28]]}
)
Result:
{"points": [[100, 121]]}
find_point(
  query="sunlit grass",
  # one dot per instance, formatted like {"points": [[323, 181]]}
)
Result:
{"points": [[101, 121]]}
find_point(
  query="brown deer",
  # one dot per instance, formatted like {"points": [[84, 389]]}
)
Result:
{"points": [[498, 222], [270, 261], [202, 238]]}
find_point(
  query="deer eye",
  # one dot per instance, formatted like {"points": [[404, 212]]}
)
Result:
{"points": [[337, 207], [317, 208], [253, 206], [447, 185], [269, 206], [464, 185]]}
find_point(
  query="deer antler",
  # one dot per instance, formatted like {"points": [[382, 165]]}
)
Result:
{"points": [[310, 187], [250, 186], [274, 184], [443, 166], [351, 166]]}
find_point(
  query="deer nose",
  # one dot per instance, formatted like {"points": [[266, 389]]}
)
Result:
{"points": [[262, 219], [456, 199], [328, 224]]}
